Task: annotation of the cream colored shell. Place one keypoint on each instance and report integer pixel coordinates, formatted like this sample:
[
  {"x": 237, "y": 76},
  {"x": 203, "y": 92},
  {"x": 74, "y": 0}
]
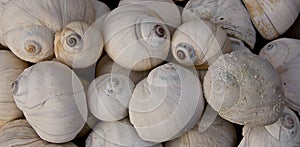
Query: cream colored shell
[
  {"x": 52, "y": 99},
  {"x": 20, "y": 133},
  {"x": 284, "y": 54},
  {"x": 136, "y": 37},
  {"x": 10, "y": 68},
  {"x": 167, "y": 103},
  {"x": 28, "y": 27},
  {"x": 78, "y": 45},
  {"x": 283, "y": 133},
  {"x": 199, "y": 43},
  {"x": 231, "y": 15},
  {"x": 108, "y": 96},
  {"x": 244, "y": 89},
  {"x": 272, "y": 17},
  {"x": 116, "y": 134}
]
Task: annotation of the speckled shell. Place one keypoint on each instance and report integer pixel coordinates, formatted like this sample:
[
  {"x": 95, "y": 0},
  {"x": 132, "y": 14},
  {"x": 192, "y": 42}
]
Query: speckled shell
[
  {"x": 198, "y": 43},
  {"x": 283, "y": 133},
  {"x": 105, "y": 65},
  {"x": 244, "y": 89},
  {"x": 220, "y": 134},
  {"x": 10, "y": 68},
  {"x": 78, "y": 45},
  {"x": 108, "y": 96},
  {"x": 116, "y": 134},
  {"x": 167, "y": 103},
  {"x": 28, "y": 27},
  {"x": 231, "y": 15},
  {"x": 52, "y": 99},
  {"x": 284, "y": 54},
  {"x": 136, "y": 37},
  {"x": 272, "y": 17},
  {"x": 20, "y": 133}
]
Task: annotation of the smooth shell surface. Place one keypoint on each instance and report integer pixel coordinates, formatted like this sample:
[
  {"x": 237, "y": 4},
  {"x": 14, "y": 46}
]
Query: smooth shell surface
[
  {"x": 283, "y": 133},
  {"x": 231, "y": 15},
  {"x": 20, "y": 133},
  {"x": 136, "y": 37},
  {"x": 116, "y": 134},
  {"x": 108, "y": 97},
  {"x": 167, "y": 103},
  {"x": 78, "y": 45},
  {"x": 272, "y": 17},
  {"x": 284, "y": 54},
  {"x": 10, "y": 68},
  {"x": 198, "y": 43},
  {"x": 244, "y": 89},
  {"x": 52, "y": 99}
]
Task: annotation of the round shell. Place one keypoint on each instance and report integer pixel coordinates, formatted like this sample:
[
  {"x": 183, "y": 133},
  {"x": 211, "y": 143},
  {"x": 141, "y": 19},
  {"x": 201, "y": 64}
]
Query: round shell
[
  {"x": 136, "y": 37},
  {"x": 108, "y": 96},
  {"x": 100, "y": 8},
  {"x": 284, "y": 54},
  {"x": 231, "y": 15},
  {"x": 244, "y": 89},
  {"x": 272, "y": 17},
  {"x": 105, "y": 65},
  {"x": 283, "y": 133},
  {"x": 220, "y": 133},
  {"x": 20, "y": 133},
  {"x": 52, "y": 99},
  {"x": 167, "y": 103},
  {"x": 28, "y": 27},
  {"x": 199, "y": 43},
  {"x": 10, "y": 68}
]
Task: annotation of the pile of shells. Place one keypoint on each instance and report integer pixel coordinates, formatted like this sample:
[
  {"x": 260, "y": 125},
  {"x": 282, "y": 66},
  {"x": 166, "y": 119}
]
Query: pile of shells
[{"x": 141, "y": 73}]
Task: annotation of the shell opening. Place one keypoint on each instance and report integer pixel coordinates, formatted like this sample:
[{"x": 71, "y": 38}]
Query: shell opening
[
  {"x": 180, "y": 54},
  {"x": 110, "y": 85},
  {"x": 184, "y": 50},
  {"x": 73, "y": 40},
  {"x": 32, "y": 47},
  {"x": 14, "y": 87},
  {"x": 288, "y": 121},
  {"x": 159, "y": 30},
  {"x": 270, "y": 46}
]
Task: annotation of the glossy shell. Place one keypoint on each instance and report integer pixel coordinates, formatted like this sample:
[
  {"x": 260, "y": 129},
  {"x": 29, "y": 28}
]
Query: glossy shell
[
  {"x": 231, "y": 15},
  {"x": 164, "y": 106},
  {"x": 52, "y": 99},
  {"x": 136, "y": 37},
  {"x": 199, "y": 43},
  {"x": 244, "y": 89}
]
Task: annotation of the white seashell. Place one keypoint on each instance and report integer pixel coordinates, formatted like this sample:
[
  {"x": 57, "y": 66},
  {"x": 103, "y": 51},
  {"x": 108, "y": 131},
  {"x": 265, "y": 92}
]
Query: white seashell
[
  {"x": 100, "y": 8},
  {"x": 244, "y": 89},
  {"x": 78, "y": 45},
  {"x": 105, "y": 65},
  {"x": 116, "y": 134},
  {"x": 20, "y": 133},
  {"x": 10, "y": 68},
  {"x": 284, "y": 54},
  {"x": 285, "y": 132},
  {"x": 167, "y": 103},
  {"x": 231, "y": 15},
  {"x": 199, "y": 43},
  {"x": 108, "y": 96},
  {"x": 52, "y": 99},
  {"x": 272, "y": 17},
  {"x": 136, "y": 37}
]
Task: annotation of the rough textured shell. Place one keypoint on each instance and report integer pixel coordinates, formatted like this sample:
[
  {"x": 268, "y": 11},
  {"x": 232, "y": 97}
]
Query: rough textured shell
[
  {"x": 52, "y": 99},
  {"x": 105, "y": 65},
  {"x": 199, "y": 43},
  {"x": 272, "y": 17},
  {"x": 283, "y": 133},
  {"x": 108, "y": 97},
  {"x": 116, "y": 134},
  {"x": 244, "y": 88},
  {"x": 284, "y": 54},
  {"x": 231, "y": 15},
  {"x": 20, "y": 133},
  {"x": 28, "y": 26},
  {"x": 220, "y": 133},
  {"x": 167, "y": 103},
  {"x": 10, "y": 68},
  {"x": 136, "y": 37},
  {"x": 78, "y": 45}
]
